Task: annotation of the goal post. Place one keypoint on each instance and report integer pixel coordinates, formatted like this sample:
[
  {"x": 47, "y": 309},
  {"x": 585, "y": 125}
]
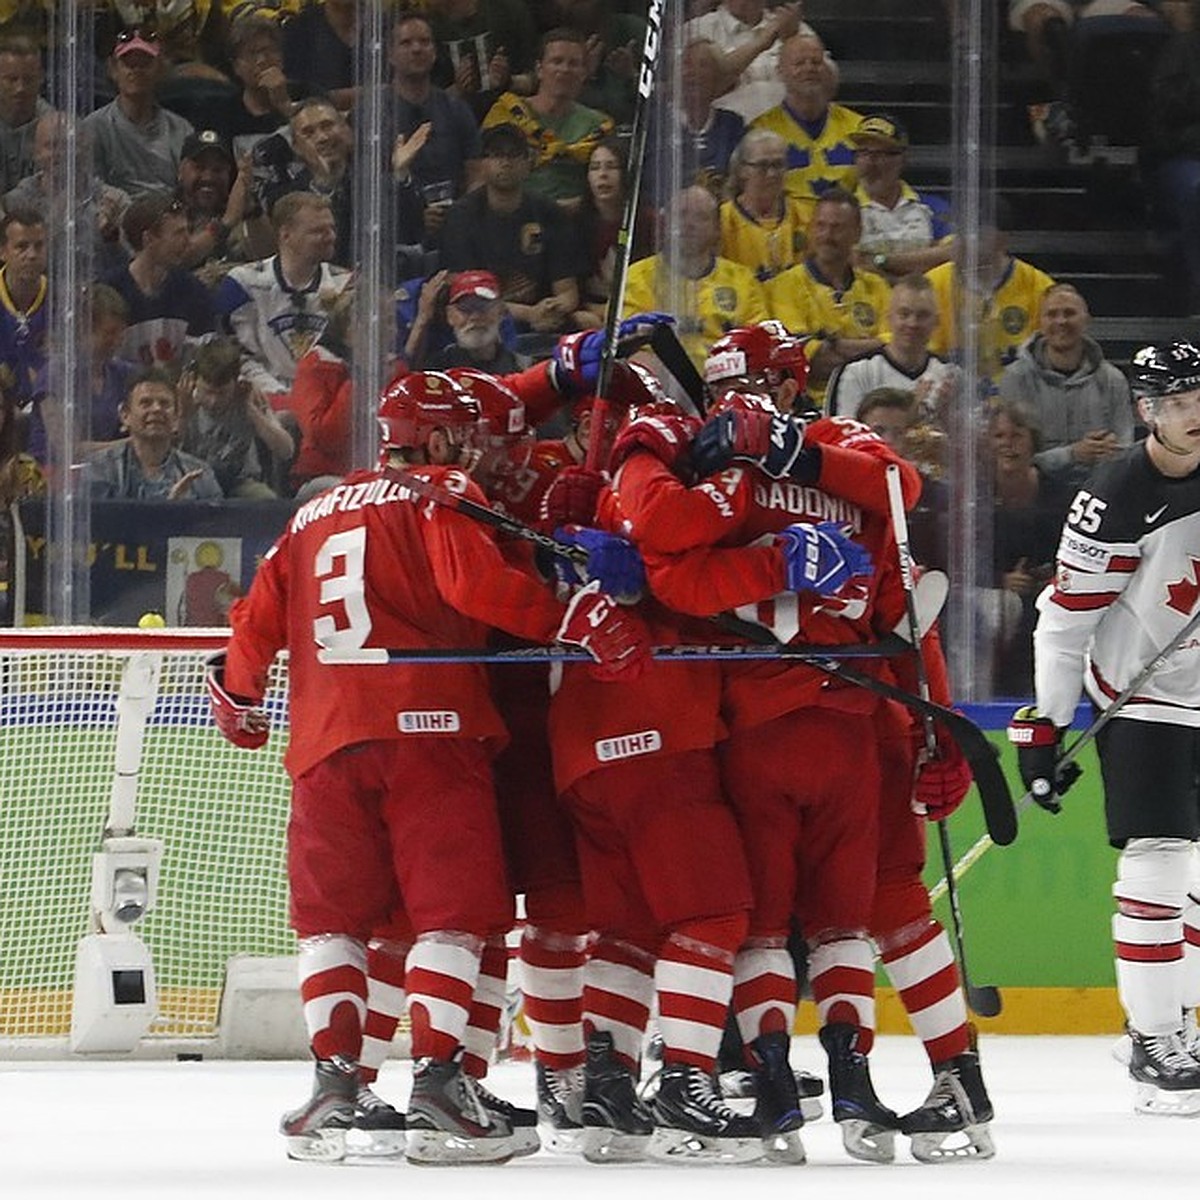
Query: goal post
[{"x": 67, "y": 772}]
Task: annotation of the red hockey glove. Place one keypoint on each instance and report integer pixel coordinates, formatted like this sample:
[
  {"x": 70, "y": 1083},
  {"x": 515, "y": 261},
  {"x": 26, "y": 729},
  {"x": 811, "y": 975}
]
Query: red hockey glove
[
  {"x": 942, "y": 782},
  {"x": 1039, "y": 745},
  {"x": 571, "y": 498},
  {"x": 615, "y": 637},
  {"x": 240, "y": 721},
  {"x": 668, "y": 438}
]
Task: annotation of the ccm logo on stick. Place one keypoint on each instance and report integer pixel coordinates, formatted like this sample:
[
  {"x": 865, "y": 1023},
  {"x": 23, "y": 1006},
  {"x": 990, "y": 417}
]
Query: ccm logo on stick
[
  {"x": 428, "y": 722},
  {"x": 629, "y": 745}
]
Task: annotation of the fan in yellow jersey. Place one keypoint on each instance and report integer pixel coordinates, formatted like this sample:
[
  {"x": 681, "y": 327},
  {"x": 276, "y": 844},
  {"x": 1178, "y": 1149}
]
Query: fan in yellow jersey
[
  {"x": 841, "y": 308},
  {"x": 817, "y": 132},
  {"x": 709, "y": 295},
  {"x": 762, "y": 227},
  {"x": 1008, "y": 309}
]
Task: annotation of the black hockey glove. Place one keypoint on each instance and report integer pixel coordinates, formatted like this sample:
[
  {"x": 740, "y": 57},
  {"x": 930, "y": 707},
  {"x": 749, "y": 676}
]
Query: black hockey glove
[{"x": 1039, "y": 747}]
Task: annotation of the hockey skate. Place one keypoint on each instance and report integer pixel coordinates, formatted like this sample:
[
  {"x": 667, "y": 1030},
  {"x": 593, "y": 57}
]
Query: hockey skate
[
  {"x": 616, "y": 1124},
  {"x": 952, "y": 1123},
  {"x": 739, "y": 1084},
  {"x": 448, "y": 1122},
  {"x": 778, "y": 1109},
  {"x": 316, "y": 1131},
  {"x": 868, "y": 1126},
  {"x": 1167, "y": 1076},
  {"x": 693, "y": 1123},
  {"x": 378, "y": 1129},
  {"x": 522, "y": 1121},
  {"x": 560, "y": 1108}
]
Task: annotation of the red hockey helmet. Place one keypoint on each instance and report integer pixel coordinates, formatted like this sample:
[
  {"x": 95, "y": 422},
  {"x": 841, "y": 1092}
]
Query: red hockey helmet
[
  {"x": 413, "y": 406},
  {"x": 764, "y": 354},
  {"x": 502, "y": 442}
]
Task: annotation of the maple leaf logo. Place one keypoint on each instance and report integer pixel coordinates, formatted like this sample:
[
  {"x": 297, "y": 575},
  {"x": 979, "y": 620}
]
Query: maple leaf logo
[{"x": 1182, "y": 595}]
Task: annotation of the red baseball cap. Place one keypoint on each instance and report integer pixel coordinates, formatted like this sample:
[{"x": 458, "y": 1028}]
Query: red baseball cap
[{"x": 483, "y": 284}]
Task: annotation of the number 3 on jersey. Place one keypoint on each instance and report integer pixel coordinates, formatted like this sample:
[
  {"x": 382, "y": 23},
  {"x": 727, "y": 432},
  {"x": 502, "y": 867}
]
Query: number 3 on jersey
[
  {"x": 1086, "y": 512},
  {"x": 339, "y": 570}
]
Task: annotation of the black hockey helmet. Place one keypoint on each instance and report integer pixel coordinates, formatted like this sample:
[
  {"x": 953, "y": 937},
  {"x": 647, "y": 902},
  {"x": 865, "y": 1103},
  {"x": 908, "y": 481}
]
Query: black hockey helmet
[{"x": 1165, "y": 370}]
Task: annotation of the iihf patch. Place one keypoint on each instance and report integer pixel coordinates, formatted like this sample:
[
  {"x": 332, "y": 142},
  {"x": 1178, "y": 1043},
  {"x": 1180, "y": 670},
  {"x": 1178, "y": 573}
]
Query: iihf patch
[
  {"x": 1063, "y": 580},
  {"x": 429, "y": 721},
  {"x": 628, "y": 745}
]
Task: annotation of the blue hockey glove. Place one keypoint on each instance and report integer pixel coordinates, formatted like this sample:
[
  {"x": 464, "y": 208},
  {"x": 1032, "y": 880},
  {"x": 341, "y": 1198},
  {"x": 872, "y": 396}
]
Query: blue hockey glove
[
  {"x": 774, "y": 443},
  {"x": 641, "y": 326},
  {"x": 575, "y": 362},
  {"x": 1039, "y": 746},
  {"x": 821, "y": 558},
  {"x": 612, "y": 560}
]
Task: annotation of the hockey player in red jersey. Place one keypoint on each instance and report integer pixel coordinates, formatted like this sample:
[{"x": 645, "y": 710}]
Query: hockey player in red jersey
[
  {"x": 1126, "y": 587},
  {"x": 809, "y": 826},
  {"x": 392, "y": 800}
]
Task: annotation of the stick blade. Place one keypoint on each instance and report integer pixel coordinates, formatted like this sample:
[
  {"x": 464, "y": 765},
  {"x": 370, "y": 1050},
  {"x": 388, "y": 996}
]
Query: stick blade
[
  {"x": 999, "y": 811},
  {"x": 985, "y": 1001}
]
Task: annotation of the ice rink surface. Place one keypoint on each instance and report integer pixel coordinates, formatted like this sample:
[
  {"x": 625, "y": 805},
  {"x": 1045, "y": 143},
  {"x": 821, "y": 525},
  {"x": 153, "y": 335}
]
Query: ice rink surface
[{"x": 1064, "y": 1127}]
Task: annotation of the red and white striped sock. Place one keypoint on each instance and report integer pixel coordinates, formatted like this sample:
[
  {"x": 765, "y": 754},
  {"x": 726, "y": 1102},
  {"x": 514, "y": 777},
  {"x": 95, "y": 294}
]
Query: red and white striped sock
[
  {"x": 333, "y": 990},
  {"x": 618, "y": 989},
  {"x": 920, "y": 963},
  {"x": 842, "y": 977},
  {"x": 693, "y": 980},
  {"x": 487, "y": 1007},
  {"x": 551, "y": 972},
  {"x": 385, "y": 1003},
  {"x": 442, "y": 969},
  {"x": 764, "y": 987}
]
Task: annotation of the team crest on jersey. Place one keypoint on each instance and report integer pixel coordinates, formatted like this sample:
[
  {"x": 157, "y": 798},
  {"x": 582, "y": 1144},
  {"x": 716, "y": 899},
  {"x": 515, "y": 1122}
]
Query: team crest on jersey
[
  {"x": 864, "y": 314},
  {"x": 725, "y": 298},
  {"x": 429, "y": 721},
  {"x": 628, "y": 745},
  {"x": 531, "y": 238},
  {"x": 1183, "y": 593},
  {"x": 1013, "y": 319}
]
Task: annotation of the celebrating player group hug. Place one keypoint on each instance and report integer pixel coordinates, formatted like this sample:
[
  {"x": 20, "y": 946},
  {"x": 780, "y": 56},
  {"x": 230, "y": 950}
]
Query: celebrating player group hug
[{"x": 684, "y": 827}]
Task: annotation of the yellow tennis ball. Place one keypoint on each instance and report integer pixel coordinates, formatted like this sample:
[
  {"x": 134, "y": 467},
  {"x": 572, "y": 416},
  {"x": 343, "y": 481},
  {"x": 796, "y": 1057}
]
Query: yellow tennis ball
[{"x": 151, "y": 620}]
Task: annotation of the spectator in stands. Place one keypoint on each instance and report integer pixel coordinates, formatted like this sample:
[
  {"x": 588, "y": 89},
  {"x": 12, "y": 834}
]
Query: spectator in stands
[
  {"x": 24, "y": 317},
  {"x": 903, "y": 230},
  {"x": 313, "y": 156},
  {"x": 522, "y": 238},
  {"x": 1080, "y": 403},
  {"x": 762, "y": 227},
  {"x": 20, "y": 478},
  {"x": 136, "y": 142},
  {"x": 817, "y": 131},
  {"x": 110, "y": 372},
  {"x": 448, "y": 162},
  {"x": 749, "y": 39},
  {"x": 263, "y": 104},
  {"x": 484, "y": 47},
  {"x": 559, "y": 130},
  {"x": 215, "y": 195},
  {"x": 614, "y": 41},
  {"x": 318, "y": 47},
  {"x": 168, "y": 305},
  {"x": 42, "y": 191},
  {"x": 599, "y": 221},
  {"x": 227, "y": 423},
  {"x": 21, "y": 103},
  {"x": 475, "y": 314},
  {"x": 825, "y": 297},
  {"x": 1029, "y": 511},
  {"x": 903, "y": 361},
  {"x": 1008, "y": 298},
  {"x": 146, "y": 465},
  {"x": 709, "y": 295},
  {"x": 277, "y": 307},
  {"x": 704, "y": 137}
]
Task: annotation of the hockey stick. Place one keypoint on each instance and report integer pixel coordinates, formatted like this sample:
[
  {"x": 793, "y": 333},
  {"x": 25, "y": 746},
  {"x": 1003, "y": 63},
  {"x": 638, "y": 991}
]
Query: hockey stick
[
  {"x": 664, "y": 341},
  {"x": 717, "y": 652},
  {"x": 597, "y": 451},
  {"x": 1073, "y": 751},
  {"x": 984, "y": 1000}
]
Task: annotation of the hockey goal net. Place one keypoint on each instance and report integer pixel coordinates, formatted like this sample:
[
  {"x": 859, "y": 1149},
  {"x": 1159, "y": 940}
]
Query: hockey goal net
[{"x": 220, "y": 812}]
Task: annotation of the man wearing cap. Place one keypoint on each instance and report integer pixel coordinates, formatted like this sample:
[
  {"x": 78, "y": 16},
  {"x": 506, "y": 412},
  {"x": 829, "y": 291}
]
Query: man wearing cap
[
  {"x": 214, "y": 195},
  {"x": 522, "y": 238},
  {"x": 904, "y": 231},
  {"x": 475, "y": 313},
  {"x": 137, "y": 144}
]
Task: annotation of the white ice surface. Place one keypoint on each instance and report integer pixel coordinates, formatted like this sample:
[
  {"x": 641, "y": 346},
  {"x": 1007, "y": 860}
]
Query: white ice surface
[{"x": 1064, "y": 1127}]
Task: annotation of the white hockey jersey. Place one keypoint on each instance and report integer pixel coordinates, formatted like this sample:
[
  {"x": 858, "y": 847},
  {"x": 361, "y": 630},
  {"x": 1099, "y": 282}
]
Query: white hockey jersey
[{"x": 1126, "y": 581}]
